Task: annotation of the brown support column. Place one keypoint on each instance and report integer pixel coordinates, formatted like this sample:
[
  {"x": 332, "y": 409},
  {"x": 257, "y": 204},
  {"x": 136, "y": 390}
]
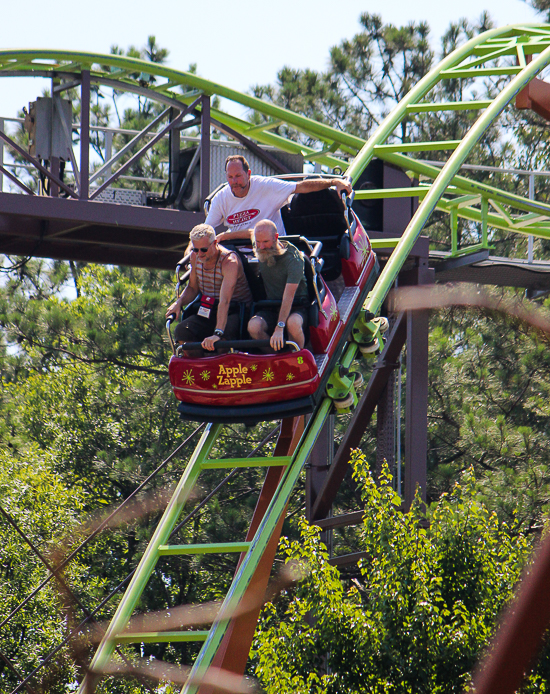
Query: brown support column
[
  {"x": 416, "y": 418},
  {"x": 85, "y": 135},
  {"x": 205, "y": 147},
  {"x": 361, "y": 418},
  {"x": 385, "y": 423},
  {"x": 416, "y": 399},
  {"x": 317, "y": 467}
]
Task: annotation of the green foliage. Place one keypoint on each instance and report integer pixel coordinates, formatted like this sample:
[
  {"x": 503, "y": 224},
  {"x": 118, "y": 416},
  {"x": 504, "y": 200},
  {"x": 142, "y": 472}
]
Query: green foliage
[
  {"x": 488, "y": 409},
  {"x": 542, "y": 6},
  {"x": 46, "y": 510},
  {"x": 421, "y": 613},
  {"x": 84, "y": 386}
]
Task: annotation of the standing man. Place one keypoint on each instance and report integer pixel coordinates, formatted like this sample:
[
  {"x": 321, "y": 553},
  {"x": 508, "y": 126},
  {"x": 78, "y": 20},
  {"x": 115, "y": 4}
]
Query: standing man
[
  {"x": 218, "y": 274},
  {"x": 247, "y": 199},
  {"x": 282, "y": 270}
]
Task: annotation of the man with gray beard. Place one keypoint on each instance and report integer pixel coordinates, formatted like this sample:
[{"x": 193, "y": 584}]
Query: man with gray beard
[{"x": 282, "y": 270}]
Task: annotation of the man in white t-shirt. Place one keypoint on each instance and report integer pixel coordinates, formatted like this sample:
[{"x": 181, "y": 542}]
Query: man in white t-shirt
[{"x": 247, "y": 199}]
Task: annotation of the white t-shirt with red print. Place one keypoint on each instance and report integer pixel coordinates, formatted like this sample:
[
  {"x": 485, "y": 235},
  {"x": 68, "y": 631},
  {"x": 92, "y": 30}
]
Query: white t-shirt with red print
[{"x": 264, "y": 200}]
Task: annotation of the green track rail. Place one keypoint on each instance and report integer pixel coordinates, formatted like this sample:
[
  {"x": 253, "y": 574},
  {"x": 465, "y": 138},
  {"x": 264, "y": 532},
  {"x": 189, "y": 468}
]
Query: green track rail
[{"x": 502, "y": 53}]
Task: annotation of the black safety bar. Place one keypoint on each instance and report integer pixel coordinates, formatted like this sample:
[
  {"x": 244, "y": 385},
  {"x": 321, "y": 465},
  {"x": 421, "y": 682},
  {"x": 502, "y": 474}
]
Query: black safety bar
[{"x": 235, "y": 345}]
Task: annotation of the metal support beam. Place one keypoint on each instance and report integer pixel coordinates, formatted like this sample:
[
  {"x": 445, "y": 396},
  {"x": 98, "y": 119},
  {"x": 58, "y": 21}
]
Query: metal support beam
[
  {"x": 361, "y": 418},
  {"x": 416, "y": 417},
  {"x": 347, "y": 559},
  {"x": 174, "y": 145},
  {"x": 109, "y": 161},
  {"x": 108, "y": 153},
  {"x": 36, "y": 164},
  {"x": 205, "y": 148},
  {"x": 85, "y": 135},
  {"x": 462, "y": 261},
  {"x": 341, "y": 521},
  {"x": 64, "y": 86},
  {"x": 1, "y": 157},
  {"x": 141, "y": 152},
  {"x": 416, "y": 398},
  {"x": 385, "y": 427},
  {"x": 191, "y": 123},
  {"x": 317, "y": 467},
  {"x": 318, "y": 464}
]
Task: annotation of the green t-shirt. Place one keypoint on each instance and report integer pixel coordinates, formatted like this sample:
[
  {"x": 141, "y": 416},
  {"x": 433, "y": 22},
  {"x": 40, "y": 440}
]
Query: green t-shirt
[{"x": 288, "y": 269}]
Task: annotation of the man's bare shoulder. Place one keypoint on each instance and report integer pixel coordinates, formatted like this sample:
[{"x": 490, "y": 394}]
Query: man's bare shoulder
[{"x": 231, "y": 260}]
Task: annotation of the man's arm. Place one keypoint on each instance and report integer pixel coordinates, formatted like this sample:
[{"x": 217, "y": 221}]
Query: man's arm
[
  {"x": 315, "y": 184},
  {"x": 277, "y": 339},
  {"x": 239, "y": 234},
  {"x": 215, "y": 215},
  {"x": 230, "y": 270},
  {"x": 188, "y": 294}
]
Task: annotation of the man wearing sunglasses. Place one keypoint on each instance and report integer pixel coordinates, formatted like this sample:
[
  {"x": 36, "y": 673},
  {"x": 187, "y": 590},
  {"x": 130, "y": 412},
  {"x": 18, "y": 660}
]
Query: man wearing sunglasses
[
  {"x": 217, "y": 274},
  {"x": 247, "y": 199}
]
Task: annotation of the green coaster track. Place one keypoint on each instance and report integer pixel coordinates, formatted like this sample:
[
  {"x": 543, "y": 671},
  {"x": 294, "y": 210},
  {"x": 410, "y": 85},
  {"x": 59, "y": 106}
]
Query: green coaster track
[{"x": 513, "y": 55}]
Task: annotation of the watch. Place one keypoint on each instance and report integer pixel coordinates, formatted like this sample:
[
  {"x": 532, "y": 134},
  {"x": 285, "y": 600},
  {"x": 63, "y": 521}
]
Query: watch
[
  {"x": 218, "y": 332},
  {"x": 281, "y": 324}
]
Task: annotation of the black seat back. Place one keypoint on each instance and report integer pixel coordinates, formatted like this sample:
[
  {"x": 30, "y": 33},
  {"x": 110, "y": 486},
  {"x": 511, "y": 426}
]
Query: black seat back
[
  {"x": 251, "y": 272},
  {"x": 319, "y": 216}
]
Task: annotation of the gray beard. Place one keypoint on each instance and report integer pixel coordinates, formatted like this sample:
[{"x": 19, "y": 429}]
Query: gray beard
[{"x": 268, "y": 255}]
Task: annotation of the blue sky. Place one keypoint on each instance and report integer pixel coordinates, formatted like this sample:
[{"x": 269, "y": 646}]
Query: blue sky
[{"x": 237, "y": 44}]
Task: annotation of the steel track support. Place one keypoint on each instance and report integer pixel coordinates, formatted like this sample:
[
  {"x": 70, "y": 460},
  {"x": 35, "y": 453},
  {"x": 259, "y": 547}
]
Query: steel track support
[
  {"x": 85, "y": 136},
  {"x": 361, "y": 418},
  {"x": 385, "y": 427},
  {"x": 205, "y": 148},
  {"x": 416, "y": 416},
  {"x": 234, "y": 649},
  {"x": 317, "y": 467},
  {"x": 416, "y": 394},
  {"x": 320, "y": 460}
]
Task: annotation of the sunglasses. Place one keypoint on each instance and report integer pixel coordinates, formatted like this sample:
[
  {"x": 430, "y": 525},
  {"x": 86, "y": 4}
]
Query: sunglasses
[{"x": 200, "y": 250}]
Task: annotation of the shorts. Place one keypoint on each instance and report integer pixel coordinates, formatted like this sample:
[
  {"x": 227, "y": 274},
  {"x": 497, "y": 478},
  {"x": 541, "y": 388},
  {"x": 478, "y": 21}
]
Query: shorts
[
  {"x": 196, "y": 328},
  {"x": 271, "y": 317}
]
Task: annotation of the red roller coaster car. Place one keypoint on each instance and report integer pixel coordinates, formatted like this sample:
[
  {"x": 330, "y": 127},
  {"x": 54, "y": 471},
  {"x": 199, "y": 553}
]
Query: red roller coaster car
[{"x": 246, "y": 385}]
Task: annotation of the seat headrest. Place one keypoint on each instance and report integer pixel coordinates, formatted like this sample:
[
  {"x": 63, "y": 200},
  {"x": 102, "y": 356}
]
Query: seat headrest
[{"x": 326, "y": 201}]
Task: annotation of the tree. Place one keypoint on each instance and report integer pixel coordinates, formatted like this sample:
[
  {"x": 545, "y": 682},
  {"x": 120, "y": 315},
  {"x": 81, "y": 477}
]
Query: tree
[
  {"x": 84, "y": 388},
  {"x": 45, "y": 509},
  {"x": 427, "y": 600}
]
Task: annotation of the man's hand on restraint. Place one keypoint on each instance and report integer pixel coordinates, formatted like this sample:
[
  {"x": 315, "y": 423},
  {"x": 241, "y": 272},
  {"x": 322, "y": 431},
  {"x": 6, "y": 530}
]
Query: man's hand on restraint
[
  {"x": 208, "y": 342},
  {"x": 278, "y": 339},
  {"x": 343, "y": 185},
  {"x": 174, "y": 308}
]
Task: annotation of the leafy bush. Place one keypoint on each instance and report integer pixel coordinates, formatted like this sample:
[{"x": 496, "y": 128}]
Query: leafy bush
[{"x": 430, "y": 591}]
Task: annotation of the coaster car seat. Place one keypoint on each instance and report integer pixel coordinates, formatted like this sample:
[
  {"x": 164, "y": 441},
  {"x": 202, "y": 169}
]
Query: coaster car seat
[{"x": 320, "y": 216}]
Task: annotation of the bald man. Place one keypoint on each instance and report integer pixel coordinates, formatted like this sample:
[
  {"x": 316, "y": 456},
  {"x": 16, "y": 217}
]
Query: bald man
[{"x": 282, "y": 270}]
